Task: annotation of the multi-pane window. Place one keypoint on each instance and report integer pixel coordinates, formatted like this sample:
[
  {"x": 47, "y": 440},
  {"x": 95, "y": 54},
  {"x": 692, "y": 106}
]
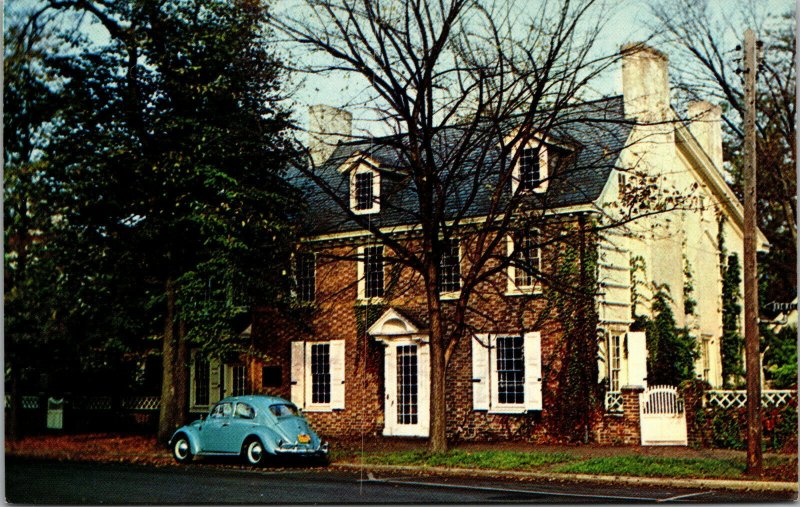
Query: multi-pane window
[
  {"x": 306, "y": 276},
  {"x": 238, "y": 379},
  {"x": 364, "y": 198},
  {"x": 373, "y": 272},
  {"x": 706, "y": 360},
  {"x": 321, "y": 373},
  {"x": 510, "y": 370},
  {"x": 201, "y": 380},
  {"x": 529, "y": 171},
  {"x": 450, "y": 267},
  {"x": 614, "y": 361},
  {"x": 528, "y": 259},
  {"x": 407, "y": 388}
]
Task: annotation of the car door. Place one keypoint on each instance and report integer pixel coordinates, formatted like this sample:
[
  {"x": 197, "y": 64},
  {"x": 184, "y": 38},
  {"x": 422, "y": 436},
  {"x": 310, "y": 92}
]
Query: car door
[
  {"x": 241, "y": 426},
  {"x": 216, "y": 430}
]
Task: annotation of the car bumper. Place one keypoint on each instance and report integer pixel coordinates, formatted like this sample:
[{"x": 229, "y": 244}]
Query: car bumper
[{"x": 302, "y": 451}]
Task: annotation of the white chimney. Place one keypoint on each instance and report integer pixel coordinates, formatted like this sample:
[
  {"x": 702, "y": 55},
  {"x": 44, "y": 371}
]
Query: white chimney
[
  {"x": 645, "y": 83},
  {"x": 705, "y": 124},
  {"x": 327, "y": 126}
]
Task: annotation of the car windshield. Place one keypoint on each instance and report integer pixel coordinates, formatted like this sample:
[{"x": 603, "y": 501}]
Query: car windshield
[{"x": 283, "y": 409}]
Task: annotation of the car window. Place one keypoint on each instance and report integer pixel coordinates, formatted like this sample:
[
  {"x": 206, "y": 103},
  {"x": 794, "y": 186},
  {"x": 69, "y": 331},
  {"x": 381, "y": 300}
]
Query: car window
[
  {"x": 282, "y": 409},
  {"x": 222, "y": 410},
  {"x": 244, "y": 411}
]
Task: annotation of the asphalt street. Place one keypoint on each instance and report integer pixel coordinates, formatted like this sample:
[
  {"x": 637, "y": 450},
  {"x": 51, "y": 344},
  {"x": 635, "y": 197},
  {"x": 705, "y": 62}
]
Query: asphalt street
[{"x": 38, "y": 482}]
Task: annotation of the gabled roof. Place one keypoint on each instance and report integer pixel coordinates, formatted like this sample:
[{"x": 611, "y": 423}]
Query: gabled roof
[{"x": 596, "y": 131}]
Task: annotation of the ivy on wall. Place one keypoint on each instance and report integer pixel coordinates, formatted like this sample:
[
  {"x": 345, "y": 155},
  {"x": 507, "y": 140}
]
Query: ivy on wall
[
  {"x": 689, "y": 302},
  {"x": 732, "y": 342},
  {"x": 577, "y": 391}
]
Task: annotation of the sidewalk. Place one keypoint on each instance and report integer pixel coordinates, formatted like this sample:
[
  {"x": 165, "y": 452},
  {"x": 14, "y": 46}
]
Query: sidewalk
[{"x": 141, "y": 449}]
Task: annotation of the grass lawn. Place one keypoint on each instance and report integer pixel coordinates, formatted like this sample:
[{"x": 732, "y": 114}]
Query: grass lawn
[
  {"x": 652, "y": 466},
  {"x": 564, "y": 462},
  {"x": 503, "y": 460}
]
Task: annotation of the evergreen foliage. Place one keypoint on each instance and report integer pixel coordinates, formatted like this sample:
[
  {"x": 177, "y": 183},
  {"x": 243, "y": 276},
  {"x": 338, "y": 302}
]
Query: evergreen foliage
[
  {"x": 780, "y": 356},
  {"x": 732, "y": 341},
  {"x": 166, "y": 164},
  {"x": 671, "y": 350}
]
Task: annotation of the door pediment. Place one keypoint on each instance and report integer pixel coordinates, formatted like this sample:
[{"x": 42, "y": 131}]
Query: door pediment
[{"x": 393, "y": 323}]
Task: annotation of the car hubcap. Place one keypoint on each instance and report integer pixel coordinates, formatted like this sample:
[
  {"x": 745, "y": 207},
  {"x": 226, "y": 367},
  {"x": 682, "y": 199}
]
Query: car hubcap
[
  {"x": 255, "y": 452},
  {"x": 181, "y": 448}
]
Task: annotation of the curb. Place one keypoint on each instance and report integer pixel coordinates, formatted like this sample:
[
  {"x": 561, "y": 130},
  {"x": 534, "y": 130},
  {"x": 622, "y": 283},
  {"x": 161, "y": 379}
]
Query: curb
[{"x": 729, "y": 484}]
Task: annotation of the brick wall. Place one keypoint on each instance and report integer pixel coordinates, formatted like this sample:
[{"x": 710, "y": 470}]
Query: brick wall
[
  {"x": 336, "y": 318},
  {"x": 624, "y": 428}
]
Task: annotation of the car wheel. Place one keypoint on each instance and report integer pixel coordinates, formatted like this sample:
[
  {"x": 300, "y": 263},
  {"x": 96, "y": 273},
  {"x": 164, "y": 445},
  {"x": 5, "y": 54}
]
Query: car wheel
[
  {"x": 253, "y": 452},
  {"x": 182, "y": 449}
]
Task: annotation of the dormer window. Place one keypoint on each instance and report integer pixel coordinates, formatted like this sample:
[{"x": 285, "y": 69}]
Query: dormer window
[
  {"x": 365, "y": 187},
  {"x": 530, "y": 174},
  {"x": 363, "y": 191},
  {"x": 533, "y": 168}
]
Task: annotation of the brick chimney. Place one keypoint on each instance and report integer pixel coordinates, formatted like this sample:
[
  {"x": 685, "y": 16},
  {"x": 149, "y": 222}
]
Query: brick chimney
[
  {"x": 327, "y": 126},
  {"x": 645, "y": 83},
  {"x": 705, "y": 124}
]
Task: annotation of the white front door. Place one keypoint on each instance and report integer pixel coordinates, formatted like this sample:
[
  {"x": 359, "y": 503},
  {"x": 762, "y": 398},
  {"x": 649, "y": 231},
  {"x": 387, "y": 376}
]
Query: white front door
[{"x": 407, "y": 388}]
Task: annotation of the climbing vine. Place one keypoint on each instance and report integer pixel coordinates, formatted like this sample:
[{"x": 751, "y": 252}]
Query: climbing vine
[
  {"x": 577, "y": 393},
  {"x": 689, "y": 303},
  {"x": 638, "y": 270},
  {"x": 732, "y": 342}
]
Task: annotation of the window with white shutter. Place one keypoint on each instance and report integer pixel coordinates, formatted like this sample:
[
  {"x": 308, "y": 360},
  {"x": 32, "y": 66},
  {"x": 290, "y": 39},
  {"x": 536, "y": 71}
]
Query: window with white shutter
[
  {"x": 507, "y": 373},
  {"x": 318, "y": 381},
  {"x": 204, "y": 382}
]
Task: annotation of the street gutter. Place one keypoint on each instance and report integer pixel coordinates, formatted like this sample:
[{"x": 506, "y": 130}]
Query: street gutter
[{"x": 728, "y": 484}]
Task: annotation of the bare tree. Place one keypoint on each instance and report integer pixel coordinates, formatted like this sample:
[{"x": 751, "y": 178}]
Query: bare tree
[{"x": 460, "y": 85}]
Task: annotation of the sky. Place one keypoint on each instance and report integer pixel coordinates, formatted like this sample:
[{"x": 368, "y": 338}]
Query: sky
[{"x": 628, "y": 23}]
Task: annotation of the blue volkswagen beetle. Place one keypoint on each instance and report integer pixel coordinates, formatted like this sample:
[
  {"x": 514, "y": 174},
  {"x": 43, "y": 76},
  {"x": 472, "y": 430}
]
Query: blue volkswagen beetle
[{"x": 249, "y": 426}]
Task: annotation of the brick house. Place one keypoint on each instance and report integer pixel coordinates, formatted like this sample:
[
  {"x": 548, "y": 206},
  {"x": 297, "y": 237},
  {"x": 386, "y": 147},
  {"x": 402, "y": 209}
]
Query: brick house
[{"x": 358, "y": 364}]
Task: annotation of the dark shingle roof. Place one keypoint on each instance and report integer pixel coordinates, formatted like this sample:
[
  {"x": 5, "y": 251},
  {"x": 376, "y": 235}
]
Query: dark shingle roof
[{"x": 594, "y": 134}]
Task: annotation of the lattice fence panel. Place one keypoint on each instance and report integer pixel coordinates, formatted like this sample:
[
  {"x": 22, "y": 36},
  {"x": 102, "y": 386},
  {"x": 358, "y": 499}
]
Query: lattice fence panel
[
  {"x": 141, "y": 403},
  {"x": 738, "y": 398},
  {"x": 614, "y": 401},
  {"x": 93, "y": 403},
  {"x": 30, "y": 402}
]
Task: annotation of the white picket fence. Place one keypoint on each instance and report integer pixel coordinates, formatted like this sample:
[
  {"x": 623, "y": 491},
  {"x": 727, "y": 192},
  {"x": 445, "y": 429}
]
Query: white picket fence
[
  {"x": 738, "y": 398},
  {"x": 662, "y": 418}
]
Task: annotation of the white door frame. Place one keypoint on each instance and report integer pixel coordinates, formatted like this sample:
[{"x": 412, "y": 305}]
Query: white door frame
[{"x": 391, "y": 425}]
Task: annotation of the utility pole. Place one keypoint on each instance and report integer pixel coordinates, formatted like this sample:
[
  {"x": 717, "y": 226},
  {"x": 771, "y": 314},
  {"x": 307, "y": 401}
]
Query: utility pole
[{"x": 752, "y": 359}]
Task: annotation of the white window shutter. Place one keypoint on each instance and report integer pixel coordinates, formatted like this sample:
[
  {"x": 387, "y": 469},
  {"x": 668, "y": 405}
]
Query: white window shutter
[
  {"x": 214, "y": 381},
  {"x": 602, "y": 359},
  {"x": 637, "y": 358},
  {"x": 298, "y": 373},
  {"x": 533, "y": 370},
  {"x": 424, "y": 364},
  {"x": 480, "y": 372},
  {"x": 337, "y": 373}
]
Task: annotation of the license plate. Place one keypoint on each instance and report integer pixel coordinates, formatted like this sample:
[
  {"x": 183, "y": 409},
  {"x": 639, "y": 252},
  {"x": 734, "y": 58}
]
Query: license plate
[{"x": 303, "y": 439}]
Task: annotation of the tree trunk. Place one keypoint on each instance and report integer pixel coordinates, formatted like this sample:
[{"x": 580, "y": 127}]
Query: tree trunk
[
  {"x": 438, "y": 432},
  {"x": 173, "y": 387}
]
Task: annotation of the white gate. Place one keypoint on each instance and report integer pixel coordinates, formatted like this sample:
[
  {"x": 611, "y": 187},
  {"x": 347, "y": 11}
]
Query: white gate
[{"x": 662, "y": 419}]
